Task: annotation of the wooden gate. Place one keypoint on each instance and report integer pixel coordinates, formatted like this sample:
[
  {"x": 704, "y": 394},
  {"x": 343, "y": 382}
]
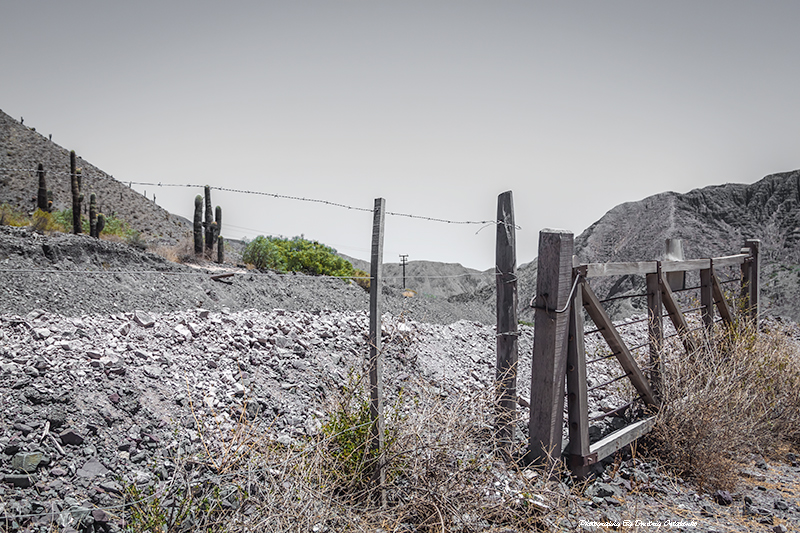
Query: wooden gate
[{"x": 562, "y": 295}]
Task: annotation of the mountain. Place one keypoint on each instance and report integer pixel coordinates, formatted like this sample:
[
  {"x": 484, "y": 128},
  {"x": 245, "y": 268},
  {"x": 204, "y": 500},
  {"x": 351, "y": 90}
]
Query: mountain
[
  {"x": 712, "y": 221},
  {"x": 23, "y": 148}
]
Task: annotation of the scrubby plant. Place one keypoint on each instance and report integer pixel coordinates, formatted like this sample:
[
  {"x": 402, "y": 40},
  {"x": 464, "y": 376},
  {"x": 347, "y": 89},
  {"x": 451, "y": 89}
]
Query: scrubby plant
[
  {"x": 262, "y": 252},
  {"x": 11, "y": 216},
  {"x": 739, "y": 394},
  {"x": 110, "y": 225},
  {"x": 361, "y": 278},
  {"x": 43, "y": 221},
  {"x": 296, "y": 255}
]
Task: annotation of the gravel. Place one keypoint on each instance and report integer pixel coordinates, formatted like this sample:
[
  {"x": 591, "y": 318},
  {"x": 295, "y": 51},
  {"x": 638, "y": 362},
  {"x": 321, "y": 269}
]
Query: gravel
[{"x": 111, "y": 376}]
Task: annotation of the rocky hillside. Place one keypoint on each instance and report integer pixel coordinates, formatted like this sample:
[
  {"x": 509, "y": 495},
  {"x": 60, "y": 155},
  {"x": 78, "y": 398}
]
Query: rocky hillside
[
  {"x": 712, "y": 221},
  {"x": 23, "y": 148}
]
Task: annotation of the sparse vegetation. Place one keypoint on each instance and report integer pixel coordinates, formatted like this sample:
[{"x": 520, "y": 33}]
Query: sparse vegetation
[
  {"x": 61, "y": 221},
  {"x": 300, "y": 255},
  {"x": 739, "y": 395},
  {"x": 440, "y": 462}
]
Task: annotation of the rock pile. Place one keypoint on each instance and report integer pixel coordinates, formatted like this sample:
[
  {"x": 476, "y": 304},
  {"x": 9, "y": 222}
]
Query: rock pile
[{"x": 96, "y": 403}]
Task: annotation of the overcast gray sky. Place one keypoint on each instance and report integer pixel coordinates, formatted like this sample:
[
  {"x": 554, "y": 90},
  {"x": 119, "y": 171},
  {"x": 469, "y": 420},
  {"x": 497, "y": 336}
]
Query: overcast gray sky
[{"x": 436, "y": 106}]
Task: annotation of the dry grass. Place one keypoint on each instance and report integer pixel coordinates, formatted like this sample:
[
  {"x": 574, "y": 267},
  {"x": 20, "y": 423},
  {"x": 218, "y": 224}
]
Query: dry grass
[
  {"x": 183, "y": 252},
  {"x": 738, "y": 395},
  {"x": 442, "y": 475}
]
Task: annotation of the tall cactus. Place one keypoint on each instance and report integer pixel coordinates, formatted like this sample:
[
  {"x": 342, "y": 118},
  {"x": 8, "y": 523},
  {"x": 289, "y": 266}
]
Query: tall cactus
[
  {"x": 41, "y": 197},
  {"x": 209, "y": 221},
  {"x": 93, "y": 216},
  {"x": 101, "y": 223},
  {"x": 198, "y": 225},
  {"x": 76, "y": 195},
  {"x": 220, "y": 250}
]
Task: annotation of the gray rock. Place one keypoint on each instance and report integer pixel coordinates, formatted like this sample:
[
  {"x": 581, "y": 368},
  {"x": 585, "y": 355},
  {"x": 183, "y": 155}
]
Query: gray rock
[
  {"x": 92, "y": 468},
  {"x": 599, "y": 489},
  {"x": 26, "y": 461},
  {"x": 70, "y": 436},
  {"x": 143, "y": 319},
  {"x": 21, "y": 481}
]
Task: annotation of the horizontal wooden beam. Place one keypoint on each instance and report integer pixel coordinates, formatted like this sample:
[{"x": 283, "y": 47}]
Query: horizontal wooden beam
[
  {"x": 685, "y": 266},
  {"x": 621, "y": 438},
  {"x": 597, "y": 270},
  {"x": 730, "y": 260}
]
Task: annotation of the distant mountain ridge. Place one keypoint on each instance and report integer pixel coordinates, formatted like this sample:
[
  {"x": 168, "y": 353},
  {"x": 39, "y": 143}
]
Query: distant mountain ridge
[{"x": 712, "y": 221}]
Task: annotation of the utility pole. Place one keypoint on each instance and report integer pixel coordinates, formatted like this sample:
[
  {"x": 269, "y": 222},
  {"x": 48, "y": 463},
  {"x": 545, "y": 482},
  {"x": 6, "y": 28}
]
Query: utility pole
[{"x": 404, "y": 262}]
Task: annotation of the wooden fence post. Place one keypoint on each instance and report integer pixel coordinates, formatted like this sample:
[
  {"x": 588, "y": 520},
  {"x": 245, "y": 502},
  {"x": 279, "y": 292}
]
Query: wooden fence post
[
  {"x": 674, "y": 252},
  {"x": 750, "y": 279},
  {"x": 655, "y": 328},
  {"x": 707, "y": 299},
  {"x": 507, "y": 328},
  {"x": 553, "y": 283},
  {"x": 375, "y": 356},
  {"x": 580, "y": 458}
]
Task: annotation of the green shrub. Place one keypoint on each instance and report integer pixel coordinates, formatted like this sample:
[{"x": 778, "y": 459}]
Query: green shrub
[{"x": 296, "y": 255}]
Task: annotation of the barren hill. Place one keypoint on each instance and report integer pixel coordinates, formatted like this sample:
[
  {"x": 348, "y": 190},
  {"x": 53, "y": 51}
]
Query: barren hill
[{"x": 23, "y": 148}]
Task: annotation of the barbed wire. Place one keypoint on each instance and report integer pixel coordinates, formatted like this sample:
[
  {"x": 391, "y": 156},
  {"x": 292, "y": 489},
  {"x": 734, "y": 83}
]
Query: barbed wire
[{"x": 284, "y": 197}]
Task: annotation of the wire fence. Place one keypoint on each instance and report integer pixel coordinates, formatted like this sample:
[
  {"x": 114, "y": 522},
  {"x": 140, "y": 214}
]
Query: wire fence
[{"x": 273, "y": 195}]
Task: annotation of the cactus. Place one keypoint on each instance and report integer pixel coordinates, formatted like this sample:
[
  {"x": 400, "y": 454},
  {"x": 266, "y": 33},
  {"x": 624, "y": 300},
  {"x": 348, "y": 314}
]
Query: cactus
[
  {"x": 76, "y": 195},
  {"x": 50, "y": 201},
  {"x": 198, "y": 225},
  {"x": 93, "y": 216},
  {"x": 101, "y": 223},
  {"x": 209, "y": 221},
  {"x": 220, "y": 249},
  {"x": 41, "y": 197}
]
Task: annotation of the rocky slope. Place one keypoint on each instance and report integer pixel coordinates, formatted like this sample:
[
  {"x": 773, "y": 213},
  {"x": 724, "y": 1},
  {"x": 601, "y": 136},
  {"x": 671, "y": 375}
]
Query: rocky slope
[
  {"x": 713, "y": 221},
  {"x": 23, "y": 148}
]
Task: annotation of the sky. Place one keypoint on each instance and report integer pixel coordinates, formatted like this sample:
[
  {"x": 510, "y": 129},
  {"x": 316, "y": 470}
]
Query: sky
[{"x": 436, "y": 106}]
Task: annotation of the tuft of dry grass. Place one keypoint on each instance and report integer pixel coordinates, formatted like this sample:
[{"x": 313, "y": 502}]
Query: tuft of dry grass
[
  {"x": 735, "y": 396},
  {"x": 442, "y": 475},
  {"x": 183, "y": 252}
]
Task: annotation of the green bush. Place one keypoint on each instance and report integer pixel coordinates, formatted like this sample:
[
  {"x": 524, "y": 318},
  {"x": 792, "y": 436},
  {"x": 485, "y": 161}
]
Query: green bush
[{"x": 296, "y": 255}]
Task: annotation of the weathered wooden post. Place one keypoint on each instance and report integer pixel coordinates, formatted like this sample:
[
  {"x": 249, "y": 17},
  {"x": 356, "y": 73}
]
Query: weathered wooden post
[
  {"x": 375, "y": 356},
  {"x": 655, "y": 327},
  {"x": 553, "y": 283},
  {"x": 750, "y": 279},
  {"x": 580, "y": 457},
  {"x": 507, "y": 327},
  {"x": 674, "y": 252},
  {"x": 707, "y": 299}
]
